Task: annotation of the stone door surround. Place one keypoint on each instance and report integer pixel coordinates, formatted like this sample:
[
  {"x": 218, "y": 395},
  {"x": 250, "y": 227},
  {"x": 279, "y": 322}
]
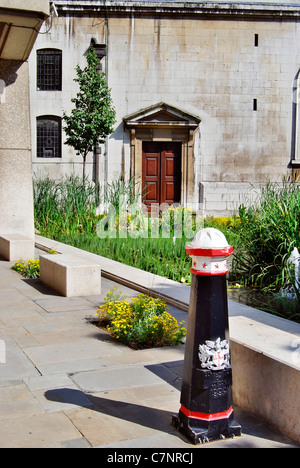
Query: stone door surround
[{"x": 163, "y": 122}]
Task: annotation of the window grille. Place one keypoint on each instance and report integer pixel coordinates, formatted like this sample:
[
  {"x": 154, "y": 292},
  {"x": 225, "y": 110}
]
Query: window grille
[
  {"x": 49, "y": 70},
  {"x": 49, "y": 137}
]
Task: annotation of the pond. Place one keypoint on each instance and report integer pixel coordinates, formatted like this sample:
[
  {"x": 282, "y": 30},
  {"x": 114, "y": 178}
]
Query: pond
[{"x": 273, "y": 303}]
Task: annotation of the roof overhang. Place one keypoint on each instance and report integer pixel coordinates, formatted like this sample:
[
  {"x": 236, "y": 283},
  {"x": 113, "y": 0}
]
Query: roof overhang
[
  {"x": 161, "y": 115},
  {"x": 281, "y": 10},
  {"x": 19, "y": 27}
]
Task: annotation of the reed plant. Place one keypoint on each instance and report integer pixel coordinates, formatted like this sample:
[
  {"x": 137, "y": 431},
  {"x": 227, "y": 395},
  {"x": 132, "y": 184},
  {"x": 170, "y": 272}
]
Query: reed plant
[
  {"x": 71, "y": 205},
  {"x": 163, "y": 257},
  {"x": 67, "y": 206},
  {"x": 120, "y": 191},
  {"x": 269, "y": 231}
]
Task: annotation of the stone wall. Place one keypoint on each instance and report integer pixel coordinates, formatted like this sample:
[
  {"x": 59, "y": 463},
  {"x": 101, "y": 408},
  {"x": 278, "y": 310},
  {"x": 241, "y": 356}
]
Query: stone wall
[{"x": 235, "y": 74}]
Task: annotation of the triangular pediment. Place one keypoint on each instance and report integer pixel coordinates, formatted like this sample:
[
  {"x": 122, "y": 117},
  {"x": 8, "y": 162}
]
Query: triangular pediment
[{"x": 162, "y": 114}]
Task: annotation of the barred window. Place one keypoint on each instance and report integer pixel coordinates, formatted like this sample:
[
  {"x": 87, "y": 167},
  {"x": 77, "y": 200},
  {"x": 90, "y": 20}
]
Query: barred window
[
  {"x": 49, "y": 70},
  {"x": 49, "y": 137}
]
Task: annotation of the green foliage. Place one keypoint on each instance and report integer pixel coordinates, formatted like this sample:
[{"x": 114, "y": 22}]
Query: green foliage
[
  {"x": 120, "y": 190},
  {"x": 229, "y": 225},
  {"x": 30, "y": 269},
  {"x": 158, "y": 256},
  {"x": 70, "y": 206},
  {"x": 269, "y": 230},
  {"x": 67, "y": 211},
  {"x": 93, "y": 116},
  {"x": 142, "y": 323},
  {"x": 65, "y": 207}
]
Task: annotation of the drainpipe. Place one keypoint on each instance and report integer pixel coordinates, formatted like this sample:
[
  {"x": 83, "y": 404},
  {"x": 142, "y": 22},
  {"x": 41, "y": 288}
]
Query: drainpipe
[{"x": 106, "y": 74}]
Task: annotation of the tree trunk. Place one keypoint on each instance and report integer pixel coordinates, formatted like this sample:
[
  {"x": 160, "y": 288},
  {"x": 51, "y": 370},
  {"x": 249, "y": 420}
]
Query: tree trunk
[{"x": 84, "y": 167}]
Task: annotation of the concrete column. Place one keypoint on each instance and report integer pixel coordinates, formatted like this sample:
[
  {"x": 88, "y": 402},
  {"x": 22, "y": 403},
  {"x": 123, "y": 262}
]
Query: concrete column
[{"x": 16, "y": 195}]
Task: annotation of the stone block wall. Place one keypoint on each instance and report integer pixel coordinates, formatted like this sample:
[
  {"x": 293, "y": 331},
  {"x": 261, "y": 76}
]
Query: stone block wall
[{"x": 236, "y": 75}]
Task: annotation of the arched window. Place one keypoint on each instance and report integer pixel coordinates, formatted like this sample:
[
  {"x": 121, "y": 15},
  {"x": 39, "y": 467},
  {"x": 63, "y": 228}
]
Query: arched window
[
  {"x": 49, "y": 136},
  {"x": 49, "y": 70}
]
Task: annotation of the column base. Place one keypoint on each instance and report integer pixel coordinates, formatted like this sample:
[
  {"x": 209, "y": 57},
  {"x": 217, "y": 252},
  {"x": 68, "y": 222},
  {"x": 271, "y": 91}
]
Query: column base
[{"x": 204, "y": 432}]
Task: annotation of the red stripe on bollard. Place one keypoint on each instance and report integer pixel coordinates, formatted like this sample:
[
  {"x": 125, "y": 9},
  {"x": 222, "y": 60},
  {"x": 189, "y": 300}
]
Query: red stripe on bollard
[
  {"x": 207, "y": 273},
  {"x": 206, "y": 416},
  {"x": 198, "y": 252}
]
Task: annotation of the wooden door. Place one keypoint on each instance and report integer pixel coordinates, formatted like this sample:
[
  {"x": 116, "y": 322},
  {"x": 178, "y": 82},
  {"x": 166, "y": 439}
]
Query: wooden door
[{"x": 161, "y": 172}]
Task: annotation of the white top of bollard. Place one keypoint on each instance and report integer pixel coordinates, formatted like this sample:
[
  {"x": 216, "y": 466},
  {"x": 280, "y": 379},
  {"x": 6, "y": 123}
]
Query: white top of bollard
[{"x": 209, "y": 238}]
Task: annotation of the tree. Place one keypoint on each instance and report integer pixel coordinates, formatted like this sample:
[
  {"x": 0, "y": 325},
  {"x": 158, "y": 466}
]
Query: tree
[{"x": 93, "y": 116}]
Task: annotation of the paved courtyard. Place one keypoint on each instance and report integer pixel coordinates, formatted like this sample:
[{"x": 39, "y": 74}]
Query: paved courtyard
[{"x": 67, "y": 384}]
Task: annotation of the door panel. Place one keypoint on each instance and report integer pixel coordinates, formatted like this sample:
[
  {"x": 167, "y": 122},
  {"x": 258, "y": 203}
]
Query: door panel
[
  {"x": 169, "y": 192},
  {"x": 151, "y": 174},
  {"x": 151, "y": 166},
  {"x": 170, "y": 173},
  {"x": 169, "y": 167},
  {"x": 161, "y": 172},
  {"x": 152, "y": 192}
]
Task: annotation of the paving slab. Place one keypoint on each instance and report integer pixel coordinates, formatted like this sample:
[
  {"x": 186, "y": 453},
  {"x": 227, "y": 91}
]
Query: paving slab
[
  {"x": 101, "y": 428},
  {"x": 43, "y": 382},
  {"x": 61, "y": 398},
  {"x": 62, "y": 304},
  {"x": 110, "y": 379},
  {"x": 37, "y": 430},
  {"x": 76, "y": 443},
  {"x": 17, "y": 402},
  {"x": 53, "y": 336},
  {"x": 17, "y": 366},
  {"x": 71, "y": 367},
  {"x": 75, "y": 351}
]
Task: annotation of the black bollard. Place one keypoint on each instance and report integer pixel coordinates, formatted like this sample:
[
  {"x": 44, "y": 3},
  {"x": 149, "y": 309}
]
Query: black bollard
[{"x": 206, "y": 412}]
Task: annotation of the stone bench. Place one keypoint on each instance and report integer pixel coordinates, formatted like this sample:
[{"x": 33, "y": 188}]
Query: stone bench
[
  {"x": 69, "y": 275},
  {"x": 14, "y": 247}
]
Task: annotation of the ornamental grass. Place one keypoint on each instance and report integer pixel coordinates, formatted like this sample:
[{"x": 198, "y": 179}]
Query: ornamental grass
[
  {"x": 269, "y": 231},
  {"x": 140, "y": 323}
]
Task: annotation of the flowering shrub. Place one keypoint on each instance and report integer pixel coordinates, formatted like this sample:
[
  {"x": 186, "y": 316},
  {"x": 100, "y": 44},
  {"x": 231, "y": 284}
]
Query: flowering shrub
[
  {"x": 52, "y": 252},
  {"x": 31, "y": 269},
  {"x": 142, "y": 323},
  {"x": 223, "y": 222}
]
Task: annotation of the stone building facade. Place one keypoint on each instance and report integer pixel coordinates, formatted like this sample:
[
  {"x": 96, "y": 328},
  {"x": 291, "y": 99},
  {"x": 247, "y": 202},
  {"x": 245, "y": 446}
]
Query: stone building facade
[{"x": 205, "y": 94}]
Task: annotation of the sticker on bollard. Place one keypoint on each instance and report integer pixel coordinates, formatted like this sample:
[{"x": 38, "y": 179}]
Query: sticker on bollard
[{"x": 206, "y": 412}]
